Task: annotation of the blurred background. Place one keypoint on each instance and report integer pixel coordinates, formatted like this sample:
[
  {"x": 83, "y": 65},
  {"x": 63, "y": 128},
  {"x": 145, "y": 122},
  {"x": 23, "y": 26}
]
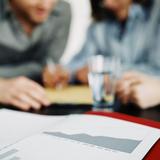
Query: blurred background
[{"x": 81, "y": 18}]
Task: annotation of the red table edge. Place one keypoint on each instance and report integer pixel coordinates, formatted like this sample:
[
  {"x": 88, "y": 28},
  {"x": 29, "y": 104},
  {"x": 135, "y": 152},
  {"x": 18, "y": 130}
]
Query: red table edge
[{"x": 154, "y": 153}]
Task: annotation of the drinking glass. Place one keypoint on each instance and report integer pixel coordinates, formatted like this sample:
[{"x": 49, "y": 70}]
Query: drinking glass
[{"x": 102, "y": 78}]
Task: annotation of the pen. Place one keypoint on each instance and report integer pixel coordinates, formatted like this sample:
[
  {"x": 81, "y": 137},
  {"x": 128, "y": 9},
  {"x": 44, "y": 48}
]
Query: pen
[{"x": 52, "y": 69}]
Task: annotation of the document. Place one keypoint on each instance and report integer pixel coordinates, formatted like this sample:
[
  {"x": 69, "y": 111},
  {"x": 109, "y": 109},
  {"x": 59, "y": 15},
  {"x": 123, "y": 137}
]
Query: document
[
  {"x": 16, "y": 125},
  {"x": 85, "y": 137},
  {"x": 71, "y": 94}
]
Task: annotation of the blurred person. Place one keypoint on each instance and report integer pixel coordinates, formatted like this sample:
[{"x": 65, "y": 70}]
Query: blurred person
[
  {"x": 140, "y": 89},
  {"x": 125, "y": 28},
  {"x": 30, "y": 31},
  {"x": 129, "y": 29}
]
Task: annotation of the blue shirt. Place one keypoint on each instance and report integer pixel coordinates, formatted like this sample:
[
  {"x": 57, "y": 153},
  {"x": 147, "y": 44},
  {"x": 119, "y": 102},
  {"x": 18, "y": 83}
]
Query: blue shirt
[{"x": 138, "y": 45}]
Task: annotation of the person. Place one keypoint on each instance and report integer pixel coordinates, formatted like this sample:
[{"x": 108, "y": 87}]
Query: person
[
  {"x": 30, "y": 31},
  {"x": 125, "y": 28},
  {"x": 139, "y": 89}
]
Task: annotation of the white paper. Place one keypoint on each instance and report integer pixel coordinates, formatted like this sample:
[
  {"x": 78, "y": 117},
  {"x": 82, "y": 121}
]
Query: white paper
[
  {"x": 16, "y": 125},
  {"x": 86, "y": 137}
]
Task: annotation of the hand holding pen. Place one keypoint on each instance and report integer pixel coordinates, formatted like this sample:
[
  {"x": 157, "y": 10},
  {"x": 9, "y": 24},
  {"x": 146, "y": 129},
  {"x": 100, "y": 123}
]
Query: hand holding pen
[{"x": 55, "y": 76}]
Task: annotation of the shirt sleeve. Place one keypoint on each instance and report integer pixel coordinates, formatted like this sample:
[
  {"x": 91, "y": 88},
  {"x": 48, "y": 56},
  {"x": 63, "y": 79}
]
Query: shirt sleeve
[
  {"x": 58, "y": 44},
  {"x": 90, "y": 48},
  {"x": 31, "y": 70},
  {"x": 150, "y": 63},
  {"x": 149, "y": 69}
]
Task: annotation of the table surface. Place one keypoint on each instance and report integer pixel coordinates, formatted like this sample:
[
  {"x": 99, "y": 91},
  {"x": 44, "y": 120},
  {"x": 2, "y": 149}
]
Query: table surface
[
  {"x": 73, "y": 104},
  {"x": 65, "y": 109}
]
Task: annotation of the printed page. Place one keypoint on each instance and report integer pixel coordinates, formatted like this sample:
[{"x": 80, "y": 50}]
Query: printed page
[
  {"x": 16, "y": 125},
  {"x": 86, "y": 137}
]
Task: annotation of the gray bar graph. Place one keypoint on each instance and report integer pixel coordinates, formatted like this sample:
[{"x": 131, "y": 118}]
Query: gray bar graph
[
  {"x": 123, "y": 145},
  {"x": 4, "y": 155},
  {"x": 15, "y": 158}
]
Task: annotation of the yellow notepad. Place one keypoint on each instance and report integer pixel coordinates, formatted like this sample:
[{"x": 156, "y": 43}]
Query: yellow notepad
[{"x": 70, "y": 94}]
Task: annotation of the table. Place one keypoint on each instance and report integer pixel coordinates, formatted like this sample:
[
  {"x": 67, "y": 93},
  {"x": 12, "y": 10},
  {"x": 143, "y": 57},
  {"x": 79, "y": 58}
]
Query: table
[
  {"x": 65, "y": 109},
  {"x": 70, "y": 96}
]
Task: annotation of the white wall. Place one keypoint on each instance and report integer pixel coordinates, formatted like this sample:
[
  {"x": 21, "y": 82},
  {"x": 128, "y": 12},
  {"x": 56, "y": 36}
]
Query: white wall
[{"x": 79, "y": 25}]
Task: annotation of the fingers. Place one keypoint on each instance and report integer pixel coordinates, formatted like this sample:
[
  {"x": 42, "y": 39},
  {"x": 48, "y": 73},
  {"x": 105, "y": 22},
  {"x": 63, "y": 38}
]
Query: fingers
[
  {"x": 23, "y": 93},
  {"x": 30, "y": 93},
  {"x": 37, "y": 99},
  {"x": 126, "y": 86},
  {"x": 20, "y": 104},
  {"x": 82, "y": 75},
  {"x": 123, "y": 91},
  {"x": 33, "y": 94},
  {"x": 135, "y": 95},
  {"x": 60, "y": 77},
  {"x": 130, "y": 88},
  {"x": 124, "y": 97},
  {"x": 35, "y": 86},
  {"x": 49, "y": 78},
  {"x": 49, "y": 82},
  {"x": 29, "y": 100},
  {"x": 64, "y": 78}
]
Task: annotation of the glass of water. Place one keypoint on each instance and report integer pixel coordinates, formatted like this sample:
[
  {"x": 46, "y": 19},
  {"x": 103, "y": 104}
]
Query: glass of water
[{"x": 102, "y": 78}]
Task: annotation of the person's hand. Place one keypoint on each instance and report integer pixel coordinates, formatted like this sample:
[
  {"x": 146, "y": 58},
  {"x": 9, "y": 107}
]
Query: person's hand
[
  {"x": 22, "y": 93},
  {"x": 82, "y": 75},
  {"x": 60, "y": 78},
  {"x": 145, "y": 94},
  {"x": 124, "y": 85}
]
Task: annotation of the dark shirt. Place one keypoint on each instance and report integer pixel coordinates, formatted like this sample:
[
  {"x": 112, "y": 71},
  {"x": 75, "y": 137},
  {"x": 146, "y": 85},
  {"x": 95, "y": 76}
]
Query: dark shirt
[{"x": 23, "y": 55}]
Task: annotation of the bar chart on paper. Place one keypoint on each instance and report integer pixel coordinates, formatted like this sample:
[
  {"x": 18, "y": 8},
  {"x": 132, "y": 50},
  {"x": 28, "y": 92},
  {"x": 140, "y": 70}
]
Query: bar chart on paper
[{"x": 75, "y": 135}]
